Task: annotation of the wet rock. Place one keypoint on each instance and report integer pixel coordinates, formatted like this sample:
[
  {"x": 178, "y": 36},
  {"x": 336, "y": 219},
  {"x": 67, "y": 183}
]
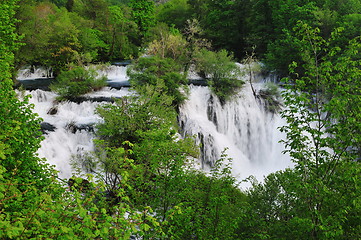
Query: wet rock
[
  {"x": 53, "y": 110},
  {"x": 92, "y": 99},
  {"x": 74, "y": 127},
  {"x": 47, "y": 127}
]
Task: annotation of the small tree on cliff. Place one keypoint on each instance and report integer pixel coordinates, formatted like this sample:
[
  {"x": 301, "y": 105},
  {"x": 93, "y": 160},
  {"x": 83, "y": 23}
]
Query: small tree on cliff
[{"x": 221, "y": 72}]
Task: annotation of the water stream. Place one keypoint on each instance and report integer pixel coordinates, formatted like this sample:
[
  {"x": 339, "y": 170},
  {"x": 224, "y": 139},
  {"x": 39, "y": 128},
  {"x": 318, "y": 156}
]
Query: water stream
[{"x": 242, "y": 125}]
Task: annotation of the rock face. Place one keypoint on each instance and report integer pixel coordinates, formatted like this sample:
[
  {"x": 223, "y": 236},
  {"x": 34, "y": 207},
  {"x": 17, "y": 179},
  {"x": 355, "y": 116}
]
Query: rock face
[
  {"x": 92, "y": 99},
  {"x": 74, "y": 127},
  {"x": 33, "y": 84},
  {"x": 47, "y": 127},
  {"x": 53, "y": 110}
]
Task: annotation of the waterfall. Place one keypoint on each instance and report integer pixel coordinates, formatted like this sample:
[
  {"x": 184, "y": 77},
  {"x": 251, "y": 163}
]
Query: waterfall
[
  {"x": 72, "y": 126},
  {"x": 32, "y": 72},
  {"x": 242, "y": 125}
]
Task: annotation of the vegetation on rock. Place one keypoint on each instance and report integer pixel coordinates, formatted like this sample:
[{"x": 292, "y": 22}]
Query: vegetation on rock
[{"x": 77, "y": 81}]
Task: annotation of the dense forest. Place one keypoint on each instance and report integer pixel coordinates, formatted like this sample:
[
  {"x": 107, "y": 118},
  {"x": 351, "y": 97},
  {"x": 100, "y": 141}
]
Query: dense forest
[{"x": 143, "y": 185}]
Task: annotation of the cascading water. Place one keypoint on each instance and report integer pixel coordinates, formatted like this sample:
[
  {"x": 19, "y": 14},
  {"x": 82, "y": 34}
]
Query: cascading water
[
  {"x": 242, "y": 125},
  {"x": 32, "y": 72},
  {"x": 72, "y": 126},
  {"x": 69, "y": 124}
]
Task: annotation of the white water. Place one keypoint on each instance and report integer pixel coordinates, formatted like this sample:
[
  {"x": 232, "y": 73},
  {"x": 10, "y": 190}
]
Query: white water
[
  {"x": 114, "y": 73},
  {"x": 31, "y": 72},
  {"x": 61, "y": 145},
  {"x": 242, "y": 125}
]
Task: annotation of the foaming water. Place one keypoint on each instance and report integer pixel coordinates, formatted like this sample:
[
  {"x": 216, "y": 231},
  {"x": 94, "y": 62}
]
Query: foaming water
[
  {"x": 70, "y": 137},
  {"x": 242, "y": 125},
  {"x": 31, "y": 72},
  {"x": 114, "y": 73}
]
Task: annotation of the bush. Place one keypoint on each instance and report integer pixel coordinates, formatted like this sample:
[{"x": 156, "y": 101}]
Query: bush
[
  {"x": 76, "y": 82},
  {"x": 156, "y": 71},
  {"x": 221, "y": 72},
  {"x": 272, "y": 96}
]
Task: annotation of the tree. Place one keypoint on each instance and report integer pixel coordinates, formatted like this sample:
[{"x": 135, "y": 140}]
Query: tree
[
  {"x": 131, "y": 116},
  {"x": 32, "y": 203},
  {"x": 60, "y": 3},
  {"x": 95, "y": 10},
  {"x": 77, "y": 81},
  {"x": 319, "y": 198},
  {"x": 122, "y": 33},
  {"x": 168, "y": 43},
  {"x": 223, "y": 23},
  {"x": 221, "y": 71},
  {"x": 174, "y": 12},
  {"x": 143, "y": 14},
  {"x": 146, "y": 126},
  {"x": 50, "y": 37},
  {"x": 19, "y": 126},
  {"x": 35, "y": 27},
  {"x": 281, "y": 50},
  {"x": 211, "y": 206},
  {"x": 163, "y": 73}
]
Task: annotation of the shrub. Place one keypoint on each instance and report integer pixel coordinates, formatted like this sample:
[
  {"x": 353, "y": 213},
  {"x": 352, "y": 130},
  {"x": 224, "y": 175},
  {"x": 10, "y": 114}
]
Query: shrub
[
  {"x": 76, "y": 82},
  {"x": 272, "y": 96},
  {"x": 156, "y": 71},
  {"x": 221, "y": 72}
]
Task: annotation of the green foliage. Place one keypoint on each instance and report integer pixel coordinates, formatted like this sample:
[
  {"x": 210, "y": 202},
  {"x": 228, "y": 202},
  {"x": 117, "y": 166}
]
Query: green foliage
[
  {"x": 281, "y": 48},
  {"x": 19, "y": 127},
  {"x": 211, "y": 207},
  {"x": 95, "y": 10},
  {"x": 272, "y": 97},
  {"x": 54, "y": 42},
  {"x": 225, "y": 23},
  {"x": 270, "y": 27},
  {"x": 169, "y": 43},
  {"x": 318, "y": 199},
  {"x": 342, "y": 7},
  {"x": 279, "y": 208},
  {"x": 91, "y": 45},
  {"x": 59, "y": 3},
  {"x": 164, "y": 73},
  {"x": 122, "y": 34},
  {"x": 131, "y": 116},
  {"x": 61, "y": 212},
  {"x": 143, "y": 14},
  {"x": 174, "y": 12},
  {"x": 76, "y": 82},
  {"x": 58, "y": 37},
  {"x": 120, "y": 29},
  {"x": 221, "y": 71},
  {"x": 148, "y": 122},
  {"x": 163, "y": 157}
]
